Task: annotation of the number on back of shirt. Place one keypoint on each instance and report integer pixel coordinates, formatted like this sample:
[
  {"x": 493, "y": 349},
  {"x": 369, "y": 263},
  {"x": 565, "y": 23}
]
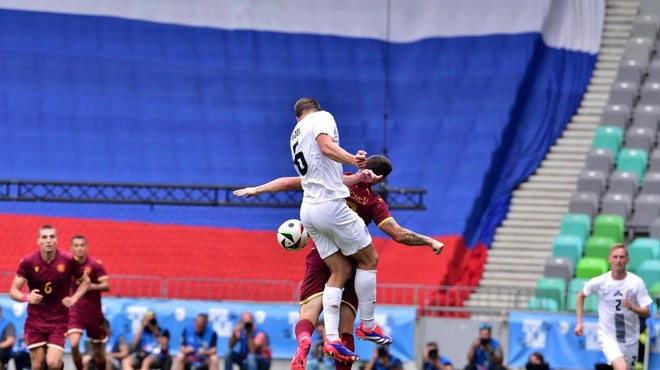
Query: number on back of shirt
[{"x": 299, "y": 160}]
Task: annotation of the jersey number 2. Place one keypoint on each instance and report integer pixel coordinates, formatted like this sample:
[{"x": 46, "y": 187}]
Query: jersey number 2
[{"x": 299, "y": 160}]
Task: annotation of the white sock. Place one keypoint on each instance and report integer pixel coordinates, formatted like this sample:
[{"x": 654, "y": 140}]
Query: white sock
[
  {"x": 331, "y": 304},
  {"x": 365, "y": 288}
]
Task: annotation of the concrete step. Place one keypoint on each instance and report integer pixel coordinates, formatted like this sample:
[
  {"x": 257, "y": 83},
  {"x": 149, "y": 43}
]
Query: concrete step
[
  {"x": 556, "y": 179},
  {"x": 621, "y": 19},
  {"x": 590, "y": 127},
  {"x": 575, "y": 149},
  {"x": 508, "y": 283},
  {"x": 561, "y": 164},
  {"x": 567, "y": 157},
  {"x": 514, "y": 260},
  {"x": 519, "y": 201},
  {"x": 527, "y": 233},
  {"x": 517, "y": 268},
  {"x": 574, "y": 141},
  {"x": 590, "y": 110},
  {"x": 526, "y": 193},
  {"x": 586, "y": 118},
  {"x": 607, "y": 64},
  {"x": 603, "y": 84},
  {"x": 605, "y": 73},
  {"x": 545, "y": 212},
  {"x": 595, "y": 96},
  {"x": 579, "y": 134},
  {"x": 511, "y": 275},
  {"x": 537, "y": 224},
  {"x": 627, "y": 11},
  {"x": 553, "y": 171},
  {"x": 548, "y": 186},
  {"x": 539, "y": 241},
  {"x": 593, "y": 103},
  {"x": 522, "y": 251},
  {"x": 477, "y": 302}
]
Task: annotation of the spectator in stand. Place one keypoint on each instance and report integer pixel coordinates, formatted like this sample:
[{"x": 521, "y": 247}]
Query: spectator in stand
[
  {"x": 318, "y": 360},
  {"x": 383, "y": 360},
  {"x": 536, "y": 362},
  {"x": 151, "y": 344},
  {"x": 253, "y": 350},
  {"x": 485, "y": 352},
  {"x": 7, "y": 340},
  {"x": 198, "y": 346},
  {"x": 433, "y": 360}
]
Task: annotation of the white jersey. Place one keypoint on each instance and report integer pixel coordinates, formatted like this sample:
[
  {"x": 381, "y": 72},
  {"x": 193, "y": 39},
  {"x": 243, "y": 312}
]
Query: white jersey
[
  {"x": 614, "y": 320},
  {"x": 322, "y": 177}
]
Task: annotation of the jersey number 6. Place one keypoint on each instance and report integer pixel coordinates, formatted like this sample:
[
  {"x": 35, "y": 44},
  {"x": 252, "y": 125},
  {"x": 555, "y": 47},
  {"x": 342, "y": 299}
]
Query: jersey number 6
[{"x": 299, "y": 160}]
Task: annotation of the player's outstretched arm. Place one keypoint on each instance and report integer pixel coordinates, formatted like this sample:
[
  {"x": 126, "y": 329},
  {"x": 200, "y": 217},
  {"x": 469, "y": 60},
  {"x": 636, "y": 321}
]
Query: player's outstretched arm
[
  {"x": 408, "y": 237},
  {"x": 579, "y": 308},
  {"x": 279, "y": 184}
]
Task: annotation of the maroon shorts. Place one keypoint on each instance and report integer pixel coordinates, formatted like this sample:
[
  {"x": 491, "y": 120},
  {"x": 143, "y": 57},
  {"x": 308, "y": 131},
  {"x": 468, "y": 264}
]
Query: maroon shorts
[
  {"x": 92, "y": 323},
  {"x": 52, "y": 335},
  {"x": 317, "y": 274}
]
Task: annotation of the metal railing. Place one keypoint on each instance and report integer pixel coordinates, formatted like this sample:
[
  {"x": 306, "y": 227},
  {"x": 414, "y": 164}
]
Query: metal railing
[
  {"x": 448, "y": 301},
  {"x": 171, "y": 194}
]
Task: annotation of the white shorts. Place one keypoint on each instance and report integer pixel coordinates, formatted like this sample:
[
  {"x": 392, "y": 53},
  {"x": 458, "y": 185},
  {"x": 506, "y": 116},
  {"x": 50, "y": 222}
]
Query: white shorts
[
  {"x": 334, "y": 227},
  {"x": 613, "y": 350}
]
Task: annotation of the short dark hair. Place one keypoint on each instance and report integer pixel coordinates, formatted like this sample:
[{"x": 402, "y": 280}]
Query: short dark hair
[
  {"x": 204, "y": 316},
  {"x": 380, "y": 165},
  {"x": 78, "y": 236},
  {"x": 539, "y": 356},
  {"x": 45, "y": 227},
  {"x": 305, "y": 104}
]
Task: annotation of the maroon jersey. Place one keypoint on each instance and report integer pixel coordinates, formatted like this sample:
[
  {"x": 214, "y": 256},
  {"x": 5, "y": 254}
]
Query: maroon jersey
[
  {"x": 90, "y": 303},
  {"x": 370, "y": 207},
  {"x": 53, "y": 279}
]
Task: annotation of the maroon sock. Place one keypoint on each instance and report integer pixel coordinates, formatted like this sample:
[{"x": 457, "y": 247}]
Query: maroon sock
[
  {"x": 100, "y": 365},
  {"x": 78, "y": 363},
  {"x": 304, "y": 328},
  {"x": 349, "y": 342}
]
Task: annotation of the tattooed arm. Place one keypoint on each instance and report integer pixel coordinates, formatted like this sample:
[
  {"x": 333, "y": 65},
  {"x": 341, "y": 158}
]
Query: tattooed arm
[{"x": 408, "y": 237}]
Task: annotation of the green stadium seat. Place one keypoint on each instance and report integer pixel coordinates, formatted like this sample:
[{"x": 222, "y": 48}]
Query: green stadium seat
[
  {"x": 576, "y": 224},
  {"x": 654, "y": 291},
  {"x": 611, "y": 226},
  {"x": 598, "y": 246},
  {"x": 649, "y": 271},
  {"x": 633, "y": 160},
  {"x": 608, "y": 137},
  {"x": 642, "y": 249},
  {"x": 567, "y": 246},
  {"x": 543, "y": 304},
  {"x": 551, "y": 288},
  {"x": 589, "y": 267},
  {"x": 590, "y": 302}
]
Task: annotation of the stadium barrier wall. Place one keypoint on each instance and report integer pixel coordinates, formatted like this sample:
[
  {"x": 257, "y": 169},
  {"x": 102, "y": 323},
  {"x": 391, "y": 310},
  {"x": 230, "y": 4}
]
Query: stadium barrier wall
[{"x": 278, "y": 320}]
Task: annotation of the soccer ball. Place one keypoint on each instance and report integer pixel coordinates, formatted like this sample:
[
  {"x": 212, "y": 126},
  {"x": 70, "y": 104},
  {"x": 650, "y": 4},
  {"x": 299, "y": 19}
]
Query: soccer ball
[{"x": 291, "y": 235}]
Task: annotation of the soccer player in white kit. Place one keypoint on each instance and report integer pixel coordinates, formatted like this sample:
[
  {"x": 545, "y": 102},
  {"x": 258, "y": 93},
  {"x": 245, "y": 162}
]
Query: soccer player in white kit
[
  {"x": 622, "y": 300},
  {"x": 337, "y": 231}
]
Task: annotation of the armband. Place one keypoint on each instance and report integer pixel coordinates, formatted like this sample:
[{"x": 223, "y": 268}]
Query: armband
[{"x": 24, "y": 298}]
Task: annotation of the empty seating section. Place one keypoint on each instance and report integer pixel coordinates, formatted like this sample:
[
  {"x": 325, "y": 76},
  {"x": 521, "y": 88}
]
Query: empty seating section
[{"x": 617, "y": 197}]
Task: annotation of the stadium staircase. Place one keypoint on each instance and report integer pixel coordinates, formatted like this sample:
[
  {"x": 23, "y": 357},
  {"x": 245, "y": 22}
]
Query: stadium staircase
[{"x": 524, "y": 240}]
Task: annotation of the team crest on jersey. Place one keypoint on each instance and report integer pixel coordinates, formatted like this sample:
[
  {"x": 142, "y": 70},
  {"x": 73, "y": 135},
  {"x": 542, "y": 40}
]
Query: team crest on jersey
[
  {"x": 60, "y": 267},
  {"x": 36, "y": 268}
]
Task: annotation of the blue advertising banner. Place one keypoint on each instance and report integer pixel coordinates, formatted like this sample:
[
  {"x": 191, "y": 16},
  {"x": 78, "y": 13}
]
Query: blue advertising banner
[
  {"x": 552, "y": 335},
  {"x": 277, "y": 320}
]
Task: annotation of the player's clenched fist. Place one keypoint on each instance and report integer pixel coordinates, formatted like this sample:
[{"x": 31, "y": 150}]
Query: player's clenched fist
[
  {"x": 361, "y": 159},
  {"x": 34, "y": 297},
  {"x": 578, "y": 330}
]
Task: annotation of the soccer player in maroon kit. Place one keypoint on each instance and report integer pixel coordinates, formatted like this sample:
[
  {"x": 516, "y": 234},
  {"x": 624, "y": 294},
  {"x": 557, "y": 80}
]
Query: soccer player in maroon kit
[
  {"x": 370, "y": 207},
  {"x": 48, "y": 273},
  {"x": 87, "y": 314}
]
